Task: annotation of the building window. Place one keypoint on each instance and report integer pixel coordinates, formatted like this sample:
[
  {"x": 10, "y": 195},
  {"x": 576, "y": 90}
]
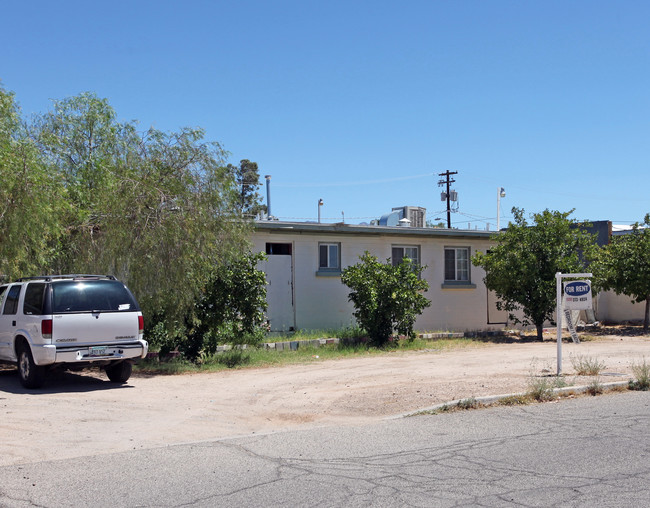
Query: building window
[
  {"x": 329, "y": 258},
  {"x": 278, "y": 249},
  {"x": 400, "y": 252},
  {"x": 457, "y": 264}
]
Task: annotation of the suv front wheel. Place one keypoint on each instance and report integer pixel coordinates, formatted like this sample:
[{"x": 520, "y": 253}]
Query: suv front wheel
[{"x": 31, "y": 375}]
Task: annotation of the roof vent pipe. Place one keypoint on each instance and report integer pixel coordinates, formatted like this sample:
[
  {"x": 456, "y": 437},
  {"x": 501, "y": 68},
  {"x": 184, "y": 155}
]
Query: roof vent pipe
[{"x": 268, "y": 196}]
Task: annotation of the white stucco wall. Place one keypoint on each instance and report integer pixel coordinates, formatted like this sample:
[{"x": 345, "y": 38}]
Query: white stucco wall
[{"x": 616, "y": 309}]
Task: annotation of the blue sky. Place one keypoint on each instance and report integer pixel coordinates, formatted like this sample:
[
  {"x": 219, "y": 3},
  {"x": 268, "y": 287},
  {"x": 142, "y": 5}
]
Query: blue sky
[{"x": 364, "y": 103}]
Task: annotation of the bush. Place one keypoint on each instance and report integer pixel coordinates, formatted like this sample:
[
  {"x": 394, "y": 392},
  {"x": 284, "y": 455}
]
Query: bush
[
  {"x": 386, "y": 298},
  {"x": 230, "y": 310},
  {"x": 162, "y": 339}
]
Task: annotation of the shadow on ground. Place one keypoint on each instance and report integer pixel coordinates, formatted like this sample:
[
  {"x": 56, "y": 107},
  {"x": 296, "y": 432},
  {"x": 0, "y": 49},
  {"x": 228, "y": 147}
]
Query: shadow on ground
[{"x": 58, "y": 382}]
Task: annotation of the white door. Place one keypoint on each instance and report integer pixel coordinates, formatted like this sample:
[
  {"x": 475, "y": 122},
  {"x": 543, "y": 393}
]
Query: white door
[{"x": 279, "y": 293}]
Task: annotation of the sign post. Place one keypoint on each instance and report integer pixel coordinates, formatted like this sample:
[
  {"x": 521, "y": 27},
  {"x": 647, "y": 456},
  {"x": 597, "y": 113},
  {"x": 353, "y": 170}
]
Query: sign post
[{"x": 577, "y": 297}]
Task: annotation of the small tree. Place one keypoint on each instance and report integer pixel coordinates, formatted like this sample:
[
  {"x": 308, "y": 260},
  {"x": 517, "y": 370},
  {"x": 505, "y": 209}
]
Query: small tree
[
  {"x": 232, "y": 307},
  {"x": 247, "y": 179},
  {"x": 386, "y": 298},
  {"x": 624, "y": 266},
  {"x": 521, "y": 267}
]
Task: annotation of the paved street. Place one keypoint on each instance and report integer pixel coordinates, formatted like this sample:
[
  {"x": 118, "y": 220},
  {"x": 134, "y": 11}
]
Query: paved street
[{"x": 579, "y": 452}]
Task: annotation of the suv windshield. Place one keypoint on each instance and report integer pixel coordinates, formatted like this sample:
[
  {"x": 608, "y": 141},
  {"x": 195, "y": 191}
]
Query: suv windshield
[{"x": 91, "y": 295}]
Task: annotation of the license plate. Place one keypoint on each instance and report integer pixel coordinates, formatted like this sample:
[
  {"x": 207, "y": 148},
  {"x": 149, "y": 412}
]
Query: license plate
[{"x": 97, "y": 351}]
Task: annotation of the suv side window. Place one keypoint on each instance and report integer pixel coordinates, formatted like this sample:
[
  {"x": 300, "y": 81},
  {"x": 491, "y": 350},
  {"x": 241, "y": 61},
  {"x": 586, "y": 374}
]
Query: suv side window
[
  {"x": 34, "y": 299},
  {"x": 11, "y": 305}
]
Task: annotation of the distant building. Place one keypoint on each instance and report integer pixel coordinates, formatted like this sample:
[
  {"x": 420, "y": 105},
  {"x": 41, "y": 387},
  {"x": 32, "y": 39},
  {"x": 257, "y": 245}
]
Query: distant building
[{"x": 416, "y": 215}]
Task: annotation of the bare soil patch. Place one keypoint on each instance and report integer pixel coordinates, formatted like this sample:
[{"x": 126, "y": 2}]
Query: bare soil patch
[{"x": 83, "y": 414}]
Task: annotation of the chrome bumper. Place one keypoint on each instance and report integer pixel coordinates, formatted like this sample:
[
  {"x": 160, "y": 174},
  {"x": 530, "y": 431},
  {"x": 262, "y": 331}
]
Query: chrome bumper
[{"x": 50, "y": 354}]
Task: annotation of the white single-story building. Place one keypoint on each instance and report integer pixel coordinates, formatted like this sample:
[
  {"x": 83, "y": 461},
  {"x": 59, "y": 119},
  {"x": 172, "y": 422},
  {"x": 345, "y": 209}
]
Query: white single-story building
[{"x": 305, "y": 261}]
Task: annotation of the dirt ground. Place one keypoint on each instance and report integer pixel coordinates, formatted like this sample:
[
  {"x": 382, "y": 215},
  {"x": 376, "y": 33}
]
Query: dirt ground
[{"x": 83, "y": 414}]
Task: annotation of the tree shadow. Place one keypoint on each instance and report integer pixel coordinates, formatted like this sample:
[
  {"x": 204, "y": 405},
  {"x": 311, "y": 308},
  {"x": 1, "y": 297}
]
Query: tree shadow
[{"x": 622, "y": 330}]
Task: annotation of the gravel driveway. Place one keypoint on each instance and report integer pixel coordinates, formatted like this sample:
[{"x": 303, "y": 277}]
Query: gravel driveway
[{"x": 83, "y": 414}]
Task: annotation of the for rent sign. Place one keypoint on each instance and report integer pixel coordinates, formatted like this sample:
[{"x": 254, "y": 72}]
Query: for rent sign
[{"x": 577, "y": 295}]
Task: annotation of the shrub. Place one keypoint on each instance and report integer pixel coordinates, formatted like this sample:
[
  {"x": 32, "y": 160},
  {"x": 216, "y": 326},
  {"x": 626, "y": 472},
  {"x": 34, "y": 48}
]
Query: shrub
[
  {"x": 386, "y": 298},
  {"x": 231, "y": 309},
  {"x": 161, "y": 338}
]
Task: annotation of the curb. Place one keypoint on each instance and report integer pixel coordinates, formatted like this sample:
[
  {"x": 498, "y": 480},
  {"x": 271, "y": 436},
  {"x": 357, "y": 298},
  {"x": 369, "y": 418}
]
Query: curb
[{"x": 490, "y": 400}]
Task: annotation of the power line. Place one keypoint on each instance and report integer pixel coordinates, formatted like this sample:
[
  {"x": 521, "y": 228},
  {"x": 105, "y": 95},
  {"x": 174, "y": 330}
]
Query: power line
[{"x": 351, "y": 184}]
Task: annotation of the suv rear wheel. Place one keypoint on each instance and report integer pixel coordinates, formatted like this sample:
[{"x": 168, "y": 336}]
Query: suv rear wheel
[
  {"x": 119, "y": 372},
  {"x": 31, "y": 375}
]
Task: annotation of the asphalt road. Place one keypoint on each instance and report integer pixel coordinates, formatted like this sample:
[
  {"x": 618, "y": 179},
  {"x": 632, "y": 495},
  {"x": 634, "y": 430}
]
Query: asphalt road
[{"x": 589, "y": 451}]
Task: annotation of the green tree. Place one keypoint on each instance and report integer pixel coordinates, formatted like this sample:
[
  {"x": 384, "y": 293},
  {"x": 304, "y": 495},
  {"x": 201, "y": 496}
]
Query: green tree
[
  {"x": 386, "y": 298},
  {"x": 232, "y": 307},
  {"x": 521, "y": 267},
  {"x": 624, "y": 266},
  {"x": 247, "y": 179},
  {"x": 32, "y": 199},
  {"x": 158, "y": 210}
]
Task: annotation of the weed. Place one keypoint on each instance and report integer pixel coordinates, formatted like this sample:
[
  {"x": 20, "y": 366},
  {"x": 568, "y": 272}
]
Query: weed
[
  {"x": 461, "y": 405},
  {"x": 470, "y": 403},
  {"x": 641, "y": 373},
  {"x": 514, "y": 400},
  {"x": 587, "y": 365},
  {"x": 541, "y": 388},
  {"x": 595, "y": 387}
]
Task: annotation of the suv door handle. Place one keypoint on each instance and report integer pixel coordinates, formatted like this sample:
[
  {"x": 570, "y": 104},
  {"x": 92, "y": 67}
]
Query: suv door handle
[{"x": 13, "y": 323}]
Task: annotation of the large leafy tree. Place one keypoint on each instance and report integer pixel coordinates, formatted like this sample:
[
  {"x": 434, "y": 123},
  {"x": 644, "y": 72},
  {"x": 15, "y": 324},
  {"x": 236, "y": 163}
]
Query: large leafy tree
[
  {"x": 624, "y": 266},
  {"x": 33, "y": 199},
  {"x": 156, "y": 209},
  {"x": 386, "y": 298},
  {"x": 521, "y": 267}
]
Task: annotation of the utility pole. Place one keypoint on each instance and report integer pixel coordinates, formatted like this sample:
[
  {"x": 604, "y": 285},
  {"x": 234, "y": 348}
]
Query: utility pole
[{"x": 448, "y": 181}]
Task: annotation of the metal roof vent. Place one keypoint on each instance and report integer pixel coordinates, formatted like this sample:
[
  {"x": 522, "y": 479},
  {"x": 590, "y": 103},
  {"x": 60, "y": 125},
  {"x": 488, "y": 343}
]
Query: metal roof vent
[{"x": 404, "y": 223}]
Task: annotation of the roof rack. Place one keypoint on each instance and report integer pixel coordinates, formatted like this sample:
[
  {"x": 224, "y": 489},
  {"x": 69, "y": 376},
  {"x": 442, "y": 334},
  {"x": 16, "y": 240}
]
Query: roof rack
[{"x": 74, "y": 276}]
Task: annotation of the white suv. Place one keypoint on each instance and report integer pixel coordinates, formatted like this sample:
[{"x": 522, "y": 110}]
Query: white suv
[{"x": 70, "y": 321}]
